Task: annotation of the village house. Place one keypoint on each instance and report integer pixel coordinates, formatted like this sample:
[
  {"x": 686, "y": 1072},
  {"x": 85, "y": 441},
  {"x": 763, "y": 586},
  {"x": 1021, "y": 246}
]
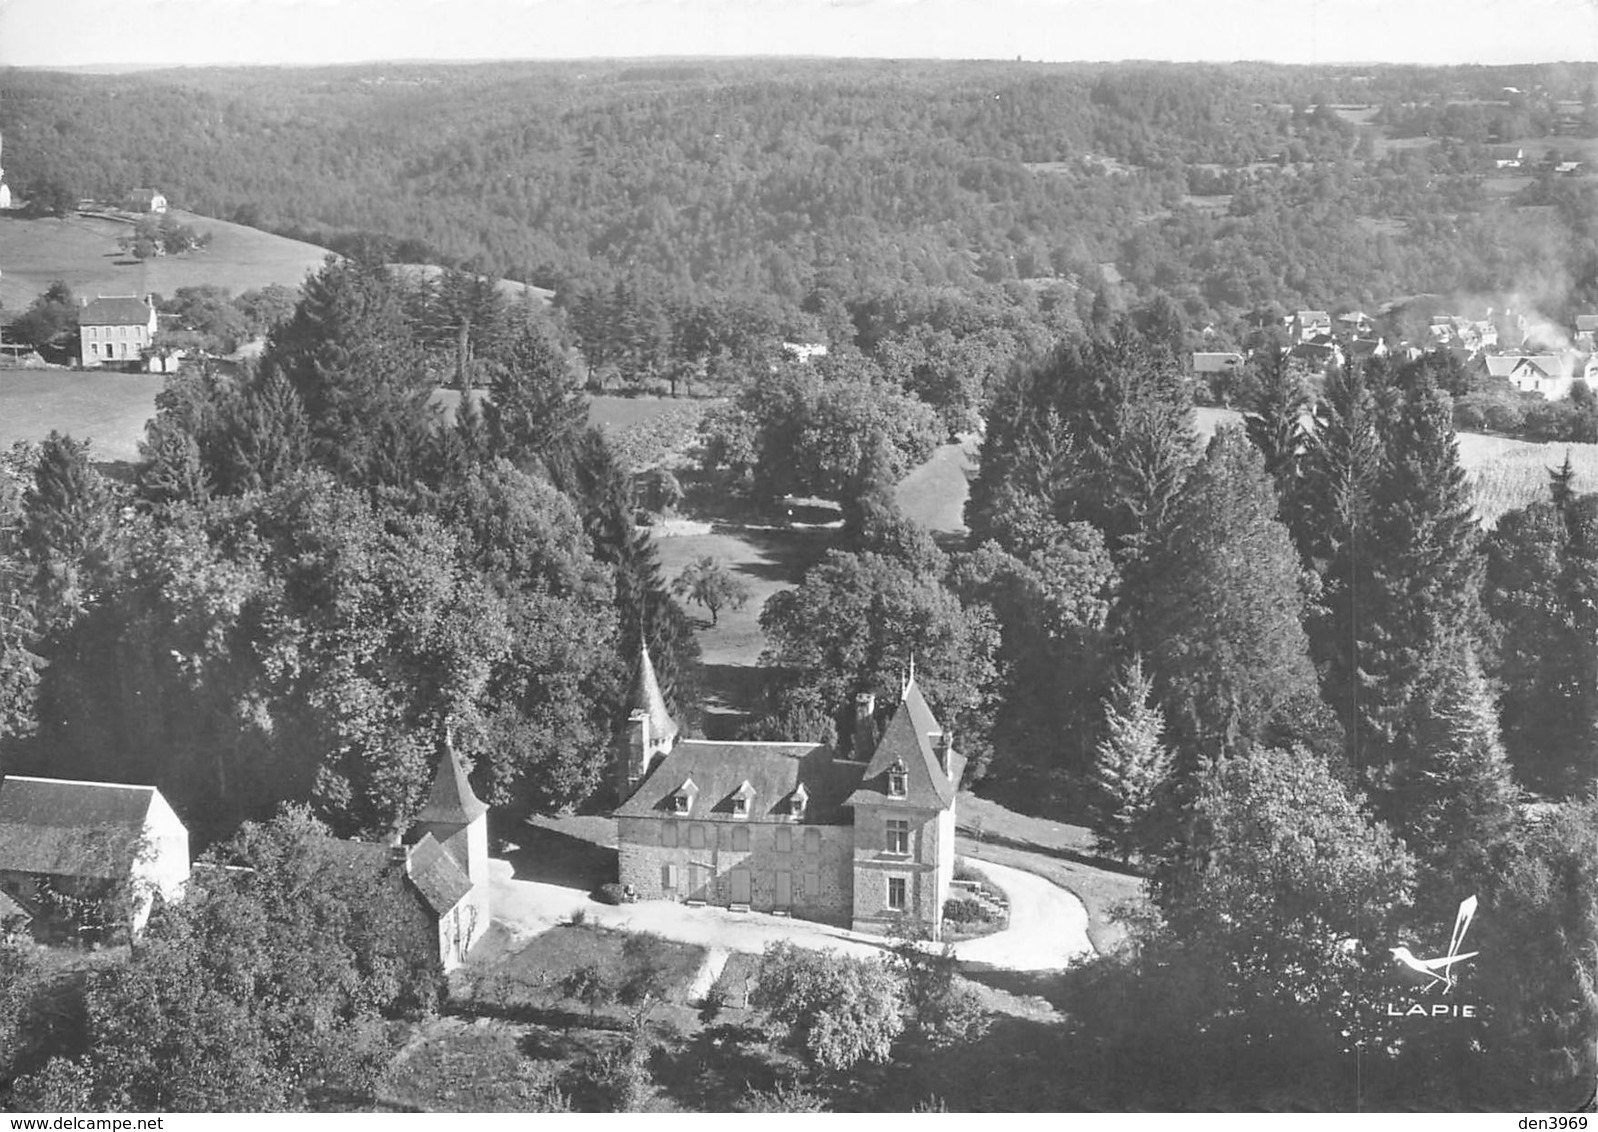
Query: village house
[
  {"x": 1550, "y": 375},
  {"x": 144, "y": 200},
  {"x": 862, "y": 836},
  {"x": 1310, "y": 325},
  {"x": 72, "y": 853},
  {"x": 804, "y": 351},
  {"x": 115, "y": 329},
  {"x": 440, "y": 866},
  {"x": 1587, "y": 332}
]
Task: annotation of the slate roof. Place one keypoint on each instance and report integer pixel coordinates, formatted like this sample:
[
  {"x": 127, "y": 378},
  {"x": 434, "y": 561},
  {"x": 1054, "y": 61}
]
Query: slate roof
[
  {"x": 12, "y": 913},
  {"x": 774, "y": 770},
  {"x": 648, "y": 698},
  {"x": 62, "y": 827},
  {"x": 451, "y": 800},
  {"x": 437, "y": 875},
  {"x": 908, "y": 739},
  {"x": 115, "y": 310}
]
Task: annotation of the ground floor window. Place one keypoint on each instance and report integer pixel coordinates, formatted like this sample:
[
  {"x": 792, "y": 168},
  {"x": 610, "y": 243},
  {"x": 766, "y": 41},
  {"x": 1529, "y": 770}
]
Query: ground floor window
[
  {"x": 898, "y": 888},
  {"x": 668, "y": 878},
  {"x": 812, "y": 889}
]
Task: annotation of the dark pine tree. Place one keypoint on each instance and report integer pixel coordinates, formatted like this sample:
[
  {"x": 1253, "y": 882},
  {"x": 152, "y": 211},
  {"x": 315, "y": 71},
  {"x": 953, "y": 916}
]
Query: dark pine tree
[
  {"x": 1426, "y": 560},
  {"x": 1342, "y": 470},
  {"x": 1222, "y": 631}
]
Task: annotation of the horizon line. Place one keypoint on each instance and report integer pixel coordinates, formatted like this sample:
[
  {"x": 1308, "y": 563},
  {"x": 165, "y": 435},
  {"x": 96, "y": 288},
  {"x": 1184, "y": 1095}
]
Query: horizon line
[{"x": 127, "y": 67}]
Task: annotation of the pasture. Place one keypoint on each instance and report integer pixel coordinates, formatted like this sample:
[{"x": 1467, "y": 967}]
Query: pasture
[
  {"x": 82, "y": 251},
  {"x": 109, "y": 409}
]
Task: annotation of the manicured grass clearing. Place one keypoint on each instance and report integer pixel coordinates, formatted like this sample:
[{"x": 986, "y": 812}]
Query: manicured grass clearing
[
  {"x": 613, "y": 413},
  {"x": 765, "y": 559},
  {"x": 83, "y": 251},
  {"x": 108, "y": 408},
  {"x": 934, "y": 494}
]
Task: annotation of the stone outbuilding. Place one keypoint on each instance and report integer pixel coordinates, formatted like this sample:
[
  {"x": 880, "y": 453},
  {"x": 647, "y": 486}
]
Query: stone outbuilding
[{"x": 88, "y": 854}]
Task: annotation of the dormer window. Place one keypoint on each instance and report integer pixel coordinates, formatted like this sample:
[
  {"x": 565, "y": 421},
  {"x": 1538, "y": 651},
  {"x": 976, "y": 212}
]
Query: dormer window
[
  {"x": 797, "y": 803},
  {"x": 682, "y": 799},
  {"x": 743, "y": 800},
  {"x": 898, "y": 780},
  {"x": 681, "y": 802}
]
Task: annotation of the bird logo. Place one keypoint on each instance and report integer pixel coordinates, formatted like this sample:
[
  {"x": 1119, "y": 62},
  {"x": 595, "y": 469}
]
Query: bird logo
[{"x": 1441, "y": 969}]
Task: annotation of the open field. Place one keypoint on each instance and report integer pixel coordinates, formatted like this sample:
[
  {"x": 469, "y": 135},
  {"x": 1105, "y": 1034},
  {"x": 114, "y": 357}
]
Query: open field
[
  {"x": 509, "y": 288},
  {"x": 82, "y": 251},
  {"x": 108, "y": 408},
  {"x": 934, "y": 494}
]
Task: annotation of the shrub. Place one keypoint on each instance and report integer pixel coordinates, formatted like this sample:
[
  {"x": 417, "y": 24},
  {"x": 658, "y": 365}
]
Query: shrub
[
  {"x": 963, "y": 871},
  {"x": 612, "y": 892},
  {"x": 839, "y": 1010},
  {"x": 966, "y": 910}
]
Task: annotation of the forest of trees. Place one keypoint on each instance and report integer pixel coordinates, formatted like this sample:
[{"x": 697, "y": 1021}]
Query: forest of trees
[
  {"x": 789, "y": 192},
  {"x": 316, "y": 580}
]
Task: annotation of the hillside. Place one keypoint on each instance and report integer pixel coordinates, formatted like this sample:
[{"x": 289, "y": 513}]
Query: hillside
[{"x": 83, "y": 251}]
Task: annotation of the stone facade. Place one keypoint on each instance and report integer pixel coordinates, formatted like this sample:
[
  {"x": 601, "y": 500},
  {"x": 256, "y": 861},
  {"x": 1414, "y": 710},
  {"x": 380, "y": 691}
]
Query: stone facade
[
  {"x": 862, "y": 838},
  {"x": 802, "y": 870}
]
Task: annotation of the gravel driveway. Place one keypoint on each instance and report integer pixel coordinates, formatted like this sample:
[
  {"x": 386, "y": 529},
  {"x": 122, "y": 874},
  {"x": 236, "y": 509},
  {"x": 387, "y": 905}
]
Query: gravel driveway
[{"x": 1048, "y": 926}]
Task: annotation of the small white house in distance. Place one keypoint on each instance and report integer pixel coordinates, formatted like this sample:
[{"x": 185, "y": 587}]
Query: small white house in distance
[
  {"x": 65, "y": 845},
  {"x": 145, "y": 200},
  {"x": 805, "y": 351}
]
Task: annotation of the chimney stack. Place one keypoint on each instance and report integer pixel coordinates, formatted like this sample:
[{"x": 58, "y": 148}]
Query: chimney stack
[
  {"x": 944, "y": 747},
  {"x": 397, "y": 852},
  {"x": 865, "y": 724}
]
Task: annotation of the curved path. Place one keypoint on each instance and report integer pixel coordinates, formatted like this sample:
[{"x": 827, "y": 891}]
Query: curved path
[{"x": 1048, "y": 925}]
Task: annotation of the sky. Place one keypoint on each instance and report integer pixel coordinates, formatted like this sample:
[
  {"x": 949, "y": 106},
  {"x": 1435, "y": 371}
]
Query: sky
[{"x": 56, "y": 33}]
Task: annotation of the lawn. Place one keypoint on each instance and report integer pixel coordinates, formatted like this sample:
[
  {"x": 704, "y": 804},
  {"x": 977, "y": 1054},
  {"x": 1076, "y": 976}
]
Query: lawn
[
  {"x": 108, "y": 408},
  {"x": 83, "y": 252},
  {"x": 934, "y": 494}
]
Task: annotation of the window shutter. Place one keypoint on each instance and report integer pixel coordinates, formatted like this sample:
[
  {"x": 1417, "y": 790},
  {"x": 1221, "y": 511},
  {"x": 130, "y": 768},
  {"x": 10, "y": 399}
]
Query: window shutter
[
  {"x": 784, "y": 839},
  {"x": 740, "y": 839},
  {"x": 668, "y": 834},
  {"x": 812, "y": 840}
]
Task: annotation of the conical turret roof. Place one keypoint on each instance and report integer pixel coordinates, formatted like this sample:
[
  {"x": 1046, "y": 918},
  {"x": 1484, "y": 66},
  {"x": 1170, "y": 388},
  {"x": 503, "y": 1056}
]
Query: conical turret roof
[
  {"x": 648, "y": 699},
  {"x": 451, "y": 800}
]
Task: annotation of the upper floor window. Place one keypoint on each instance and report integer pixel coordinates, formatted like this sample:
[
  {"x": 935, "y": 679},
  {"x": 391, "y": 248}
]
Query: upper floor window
[
  {"x": 898, "y": 780},
  {"x": 898, "y": 837}
]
